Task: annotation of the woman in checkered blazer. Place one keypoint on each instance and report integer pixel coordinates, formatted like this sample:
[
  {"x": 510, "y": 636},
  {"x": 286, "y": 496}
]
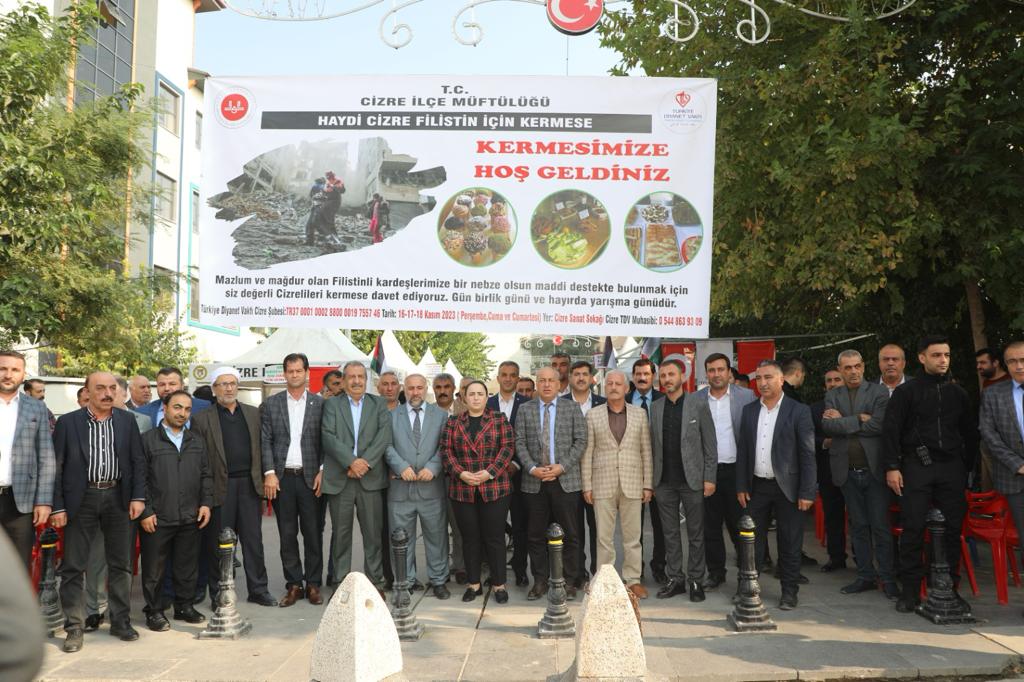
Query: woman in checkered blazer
[{"x": 476, "y": 449}]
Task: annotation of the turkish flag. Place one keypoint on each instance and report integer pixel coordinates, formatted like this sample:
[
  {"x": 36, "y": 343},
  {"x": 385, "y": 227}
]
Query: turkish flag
[{"x": 575, "y": 17}]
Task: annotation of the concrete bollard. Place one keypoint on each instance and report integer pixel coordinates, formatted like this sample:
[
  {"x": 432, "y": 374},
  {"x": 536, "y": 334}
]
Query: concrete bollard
[
  {"x": 943, "y": 606},
  {"x": 556, "y": 622},
  {"x": 749, "y": 614},
  {"x": 49, "y": 600},
  {"x": 409, "y": 629},
  {"x": 226, "y": 622}
]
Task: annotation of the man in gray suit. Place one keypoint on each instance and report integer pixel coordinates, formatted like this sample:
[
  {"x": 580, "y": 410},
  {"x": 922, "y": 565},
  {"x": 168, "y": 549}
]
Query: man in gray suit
[
  {"x": 1002, "y": 428},
  {"x": 685, "y": 456},
  {"x": 291, "y": 453},
  {"x": 417, "y": 486},
  {"x": 27, "y": 463},
  {"x": 551, "y": 435},
  {"x": 853, "y": 417},
  {"x": 725, "y": 401},
  {"x": 356, "y": 433}
]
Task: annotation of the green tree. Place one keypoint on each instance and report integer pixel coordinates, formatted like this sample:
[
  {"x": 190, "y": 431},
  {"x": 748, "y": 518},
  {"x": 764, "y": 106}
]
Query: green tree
[
  {"x": 64, "y": 179},
  {"x": 868, "y": 174},
  {"x": 467, "y": 350}
]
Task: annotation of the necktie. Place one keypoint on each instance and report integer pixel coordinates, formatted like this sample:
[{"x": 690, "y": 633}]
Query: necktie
[
  {"x": 643, "y": 402},
  {"x": 416, "y": 427},
  {"x": 545, "y": 430}
]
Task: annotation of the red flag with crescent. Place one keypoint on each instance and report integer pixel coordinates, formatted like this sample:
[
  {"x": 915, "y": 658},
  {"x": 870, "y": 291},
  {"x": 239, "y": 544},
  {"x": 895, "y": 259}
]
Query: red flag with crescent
[{"x": 575, "y": 17}]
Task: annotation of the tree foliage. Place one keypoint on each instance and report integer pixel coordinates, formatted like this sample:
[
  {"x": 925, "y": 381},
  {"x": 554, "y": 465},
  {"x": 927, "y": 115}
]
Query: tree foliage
[
  {"x": 64, "y": 187},
  {"x": 467, "y": 350},
  {"x": 868, "y": 173}
]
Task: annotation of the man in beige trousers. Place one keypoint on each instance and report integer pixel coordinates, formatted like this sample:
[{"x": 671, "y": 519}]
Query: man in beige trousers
[{"x": 617, "y": 471}]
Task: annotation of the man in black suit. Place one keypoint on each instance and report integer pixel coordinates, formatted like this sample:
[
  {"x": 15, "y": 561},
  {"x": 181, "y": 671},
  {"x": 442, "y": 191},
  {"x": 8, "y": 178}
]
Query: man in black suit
[
  {"x": 169, "y": 380},
  {"x": 581, "y": 383},
  {"x": 100, "y": 484},
  {"x": 643, "y": 394},
  {"x": 776, "y": 472},
  {"x": 507, "y": 401},
  {"x": 292, "y": 456}
]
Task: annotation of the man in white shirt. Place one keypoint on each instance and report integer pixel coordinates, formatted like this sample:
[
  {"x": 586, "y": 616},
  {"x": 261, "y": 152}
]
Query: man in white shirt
[
  {"x": 725, "y": 400},
  {"x": 561, "y": 361},
  {"x": 892, "y": 361}
]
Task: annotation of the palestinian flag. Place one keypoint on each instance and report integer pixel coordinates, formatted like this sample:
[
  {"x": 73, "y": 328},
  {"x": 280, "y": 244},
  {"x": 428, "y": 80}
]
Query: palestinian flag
[
  {"x": 378, "y": 364},
  {"x": 608, "y": 360},
  {"x": 652, "y": 349}
]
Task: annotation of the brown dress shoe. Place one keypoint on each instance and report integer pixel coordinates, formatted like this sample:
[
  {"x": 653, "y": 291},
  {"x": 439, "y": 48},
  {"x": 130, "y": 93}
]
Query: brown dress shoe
[
  {"x": 313, "y": 595},
  {"x": 639, "y": 590},
  {"x": 294, "y": 594}
]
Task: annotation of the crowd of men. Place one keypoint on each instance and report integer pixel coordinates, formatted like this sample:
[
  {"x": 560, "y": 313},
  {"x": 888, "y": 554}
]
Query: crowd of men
[{"x": 175, "y": 470}]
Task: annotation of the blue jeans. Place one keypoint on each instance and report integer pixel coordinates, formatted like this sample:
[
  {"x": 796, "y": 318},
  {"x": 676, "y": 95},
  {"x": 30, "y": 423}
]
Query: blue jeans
[{"x": 867, "y": 500}]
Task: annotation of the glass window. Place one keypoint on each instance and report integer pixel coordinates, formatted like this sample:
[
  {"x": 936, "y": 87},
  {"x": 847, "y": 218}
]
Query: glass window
[
  {"x": 199, "y": 130},
  {"x": 193, "y": 308},
  {"x": 166, "y": 197},
  {"x": 106, "y": 55},
  {"x": 195, "y": 212},
  {"x": 167, "y": 109}
]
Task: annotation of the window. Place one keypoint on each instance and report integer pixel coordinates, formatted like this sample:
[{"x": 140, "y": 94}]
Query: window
[
  {"x": 105, "y": 58},
  {"x": 166, "y": 197},
  {"x": 199, "y": 130},
  {"x": 195, "y": 212},
  {"x": 167, "y": 109},
  {"x": 193, "y": 308}
]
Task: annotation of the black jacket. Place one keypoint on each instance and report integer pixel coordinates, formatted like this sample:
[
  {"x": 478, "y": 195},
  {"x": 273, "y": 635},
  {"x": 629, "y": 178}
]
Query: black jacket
[
  {"x": 177, "y": 484},
  {"x": 931, "y": 411}
]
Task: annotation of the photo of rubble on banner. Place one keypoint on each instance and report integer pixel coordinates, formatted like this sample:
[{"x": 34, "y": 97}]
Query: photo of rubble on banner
[{"x": 309, "y": 199}]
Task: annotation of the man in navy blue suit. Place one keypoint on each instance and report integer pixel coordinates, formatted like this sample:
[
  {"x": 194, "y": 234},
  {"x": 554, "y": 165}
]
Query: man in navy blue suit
[{"x": 169, "y": 380}]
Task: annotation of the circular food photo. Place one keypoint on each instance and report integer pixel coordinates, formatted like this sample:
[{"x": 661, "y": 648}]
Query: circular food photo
[
  {"x": 663, "y": 232},
  {"x": 476, "y": 227},
  {"x": 570, "y": 229}
]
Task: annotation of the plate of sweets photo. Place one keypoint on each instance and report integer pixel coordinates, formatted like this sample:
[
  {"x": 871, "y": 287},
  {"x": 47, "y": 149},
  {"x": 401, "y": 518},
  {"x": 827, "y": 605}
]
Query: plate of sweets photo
[
  {"x": 476, "y": 227},
  {"x": 570, "y": 229},
  {"x": 663, "y": 232}
]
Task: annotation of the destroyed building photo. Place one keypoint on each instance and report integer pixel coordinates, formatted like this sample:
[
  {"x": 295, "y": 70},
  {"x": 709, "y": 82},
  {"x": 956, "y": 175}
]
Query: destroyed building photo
[{"x": 291, "y": 205}]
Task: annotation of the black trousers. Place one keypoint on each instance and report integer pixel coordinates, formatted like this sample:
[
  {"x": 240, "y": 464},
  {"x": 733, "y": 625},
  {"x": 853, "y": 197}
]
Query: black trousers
[
  {"x": 940, "y": 485},
  {"x": 552, "y": 504},
  {"x": 721, "y": 507},
  {"x": 297, "y": 508},
  {"x": 18, "y": 526},
  {"x": 520, "y": 521},
  {"x": 181, "y": 544},
  {"x": 766, "y": 498},
  {"x": 242, "y": 512},
  {"x": 482, "y": 525},
  {"x": 658, "y": 553},
  {"x": 834, "y": 507},
  {"x": 321, "y": 510},
  {"x": 586, "y": 515},
  {"x": 100, "y": 509}
]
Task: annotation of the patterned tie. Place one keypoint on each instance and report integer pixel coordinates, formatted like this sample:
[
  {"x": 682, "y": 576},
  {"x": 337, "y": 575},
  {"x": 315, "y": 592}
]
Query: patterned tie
[
  {"x": 416, "y": 427},
  {"x": 643, "y": 402},
  {"x": 545, "y": 430}
]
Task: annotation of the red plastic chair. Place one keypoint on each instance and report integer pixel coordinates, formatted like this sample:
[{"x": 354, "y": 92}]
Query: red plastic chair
[{"x": 988, "y": 518}]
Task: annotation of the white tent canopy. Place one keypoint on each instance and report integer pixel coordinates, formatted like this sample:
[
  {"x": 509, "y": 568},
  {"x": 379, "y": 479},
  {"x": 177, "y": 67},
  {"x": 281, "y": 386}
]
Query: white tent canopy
[
  {"x": 319, "y": 345},
  {"x": 395, "y": 357},
  {"x": 428, "y": 366},
  {"x": 450, "y": 368}
]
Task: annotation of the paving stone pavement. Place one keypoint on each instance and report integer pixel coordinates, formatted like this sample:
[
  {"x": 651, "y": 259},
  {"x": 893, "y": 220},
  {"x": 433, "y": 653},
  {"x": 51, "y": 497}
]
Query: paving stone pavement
[{"x": 830, "y": 636}]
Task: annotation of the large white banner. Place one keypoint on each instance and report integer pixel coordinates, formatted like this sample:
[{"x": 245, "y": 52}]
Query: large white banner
[{"x": 451, "y": 203}]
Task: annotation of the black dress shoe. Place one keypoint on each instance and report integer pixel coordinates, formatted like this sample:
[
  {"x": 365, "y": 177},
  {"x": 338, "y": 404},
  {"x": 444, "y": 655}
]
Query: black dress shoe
[
  {"x": 807, "y": 560},
  {"x": 696, "y": 591},
  {"x": 832, "y": 565},
  {"x": 417, "y": 586},
  {"x": 262, "y": 599},
  {"x": 802, "y": 579},
  {"x": 441, "y": 592},
  {"x": 157, "y": 622},
  {"x": 125, "y": 633},
  {"x": 93, "y": 622},
  {"x": 907, "y": 604},
  {"x": 788, "y": 601},
  {"x": 501, "y": 596},
  {"x": 470, "y": 594},
  {"x": 189, "y": 615},
  {"x": 539, "y": 589},
  {"x": 671, "y": 589},
  {"x": 891, "y": 591},
  {"x": 522, "y": 580},
  {"x": 857, "y": 586},
  {"x": 714, "y": 580},
  {"x": 74, "y": 641},
  {"x": 659, "y": 574}
]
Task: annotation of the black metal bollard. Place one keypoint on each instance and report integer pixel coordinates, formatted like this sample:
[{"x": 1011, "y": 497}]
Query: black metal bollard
[
  {"x": 409, "y": 629},
  {"x": 943, "y": 606},
  {"x": 226, "y": 622},
  {"x": 49, "y": 600},
  {"x": 749, "y": 614},
  {"x": 556, "y": 622}
]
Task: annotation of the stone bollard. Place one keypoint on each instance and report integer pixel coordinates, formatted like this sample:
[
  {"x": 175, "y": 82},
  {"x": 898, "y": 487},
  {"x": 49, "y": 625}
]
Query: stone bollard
[
  {"x": 226, "y": 622},
  {"x": 942, "y": 606},
  {"x": 356, "y": 639},
  {"x": 49, "y": 600},
  {"x": 409, "y": 630},
  {"x": 749, "y": 614},
  {"x": 556, "y": 622}
]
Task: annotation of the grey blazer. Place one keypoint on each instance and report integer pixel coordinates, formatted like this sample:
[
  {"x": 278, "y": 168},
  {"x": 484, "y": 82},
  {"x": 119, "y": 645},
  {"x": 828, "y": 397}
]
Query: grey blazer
[
  {"x": 698, "y": 444},
  {"x": 872, "y": 399},
  {"x": 570, "y": 442},
  {"x": 338, "y": 431},
  {"x": 403, "y": 453},
  {"x": 33, "y": 464},
  {"x": 276, "y": 435},
  {"x": 1001, "y": 433},
  {"x": 738, "y": 397}
]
